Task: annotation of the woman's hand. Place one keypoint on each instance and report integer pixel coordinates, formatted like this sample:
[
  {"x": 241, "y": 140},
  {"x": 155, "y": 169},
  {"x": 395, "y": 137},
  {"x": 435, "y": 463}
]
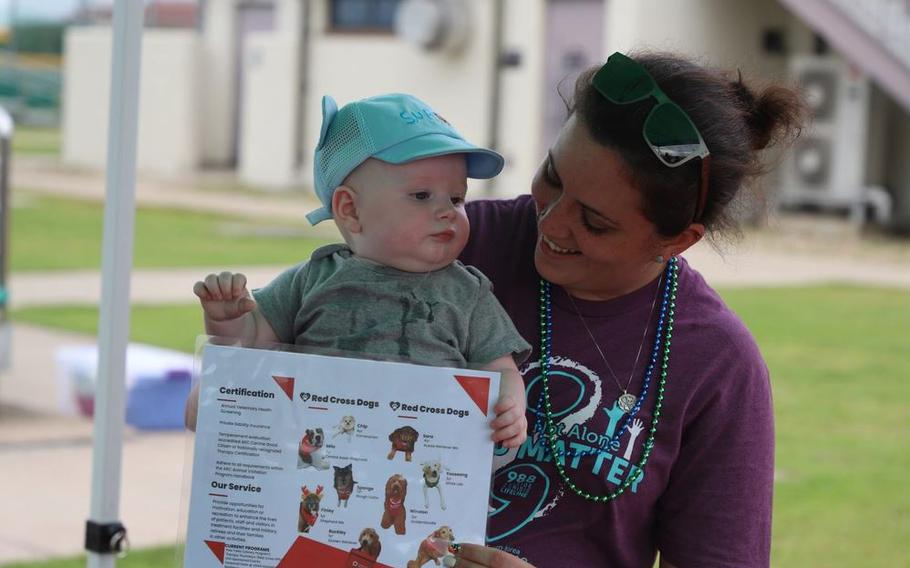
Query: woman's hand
[{"x": 476, "y": 556}]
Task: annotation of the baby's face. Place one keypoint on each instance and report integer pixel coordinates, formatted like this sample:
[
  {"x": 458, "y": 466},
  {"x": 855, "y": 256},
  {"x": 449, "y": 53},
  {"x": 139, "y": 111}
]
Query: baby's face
[{"x": 412, "y": 215}]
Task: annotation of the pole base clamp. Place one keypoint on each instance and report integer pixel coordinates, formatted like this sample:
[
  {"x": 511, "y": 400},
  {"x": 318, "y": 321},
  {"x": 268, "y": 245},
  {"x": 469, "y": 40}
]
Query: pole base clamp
[{"x": 106, "y": 538}]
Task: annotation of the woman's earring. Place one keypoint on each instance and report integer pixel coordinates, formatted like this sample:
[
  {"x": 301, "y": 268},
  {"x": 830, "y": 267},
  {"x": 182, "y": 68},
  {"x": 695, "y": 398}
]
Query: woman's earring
[{"x": 659, "y": 259}]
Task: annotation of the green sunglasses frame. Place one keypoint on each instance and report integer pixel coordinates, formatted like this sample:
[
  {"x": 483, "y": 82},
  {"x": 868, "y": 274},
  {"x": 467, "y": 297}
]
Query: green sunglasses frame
[{"x": 607, "y": 73}]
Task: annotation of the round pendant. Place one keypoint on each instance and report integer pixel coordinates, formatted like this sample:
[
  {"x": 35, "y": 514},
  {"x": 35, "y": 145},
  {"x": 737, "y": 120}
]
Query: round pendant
[{"x": 627, "y": 402}]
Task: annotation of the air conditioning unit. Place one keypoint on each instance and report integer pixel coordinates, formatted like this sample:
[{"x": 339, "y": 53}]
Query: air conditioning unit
[
  {"x": 434, "y": 25},
  {"x": 826, "y": 168}
]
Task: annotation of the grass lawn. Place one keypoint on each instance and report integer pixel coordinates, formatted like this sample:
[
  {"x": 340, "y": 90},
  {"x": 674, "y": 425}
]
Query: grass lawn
[
  {"x": 838, "y": 358},
  {"x": 164, "y": 557},
  {"x": 839, "y": 367},
  {"x": 171, "y": 326},
  {"x": 54, "y": 233},
  {"x": 35, "y": 140}
]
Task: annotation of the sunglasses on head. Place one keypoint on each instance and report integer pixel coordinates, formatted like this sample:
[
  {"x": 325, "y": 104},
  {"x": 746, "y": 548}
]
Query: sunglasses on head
[{"x": 667, "y": 129}]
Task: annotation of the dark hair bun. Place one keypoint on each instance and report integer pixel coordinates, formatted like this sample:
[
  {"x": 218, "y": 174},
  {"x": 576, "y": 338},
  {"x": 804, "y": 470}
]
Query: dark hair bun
[{"x": 775, "y": 115}]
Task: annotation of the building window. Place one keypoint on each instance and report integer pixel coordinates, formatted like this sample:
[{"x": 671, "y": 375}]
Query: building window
[{"x": 363, "y": 15}]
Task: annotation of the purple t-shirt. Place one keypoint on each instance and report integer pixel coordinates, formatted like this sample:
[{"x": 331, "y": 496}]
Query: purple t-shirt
[{"x": 705, "y": 497}]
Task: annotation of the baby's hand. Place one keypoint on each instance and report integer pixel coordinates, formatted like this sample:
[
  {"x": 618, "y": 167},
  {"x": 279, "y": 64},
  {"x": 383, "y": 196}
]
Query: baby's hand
[
  {"x": 510, "y": 427},
  {"x": 224, "y": 296}
]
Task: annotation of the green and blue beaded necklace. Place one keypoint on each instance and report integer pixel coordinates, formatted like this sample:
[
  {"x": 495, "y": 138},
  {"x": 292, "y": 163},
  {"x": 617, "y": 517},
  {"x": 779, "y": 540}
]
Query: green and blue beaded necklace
[{"x": 660, "y": 354}]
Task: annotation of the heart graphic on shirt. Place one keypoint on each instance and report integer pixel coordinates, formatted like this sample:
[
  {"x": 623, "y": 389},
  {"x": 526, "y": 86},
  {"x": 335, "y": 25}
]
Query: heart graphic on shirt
[
  {"x": 395, "y": 405},
  {"x": 304, "y": 396}
]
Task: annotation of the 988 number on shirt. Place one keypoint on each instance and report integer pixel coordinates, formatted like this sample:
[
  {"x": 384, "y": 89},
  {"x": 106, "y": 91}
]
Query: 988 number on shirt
[{"x": 515, "y": 477}]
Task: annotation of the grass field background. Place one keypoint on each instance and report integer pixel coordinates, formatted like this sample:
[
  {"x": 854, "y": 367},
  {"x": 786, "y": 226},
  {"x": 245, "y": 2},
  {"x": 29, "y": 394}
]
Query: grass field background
[
  {"x": 30, "y": 140},
  {"x": 65, "y": 234},
  {"x": 163, "y": 557}
]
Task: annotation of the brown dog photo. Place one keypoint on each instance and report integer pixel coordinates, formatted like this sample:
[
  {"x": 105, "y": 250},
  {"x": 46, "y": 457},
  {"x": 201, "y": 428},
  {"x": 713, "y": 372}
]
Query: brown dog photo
[
  {"x": 369, "y": 543},
  {"x": 394, "y": 512},
  {"x": 436, "y": 547},
  {"x": 403, "y": 440}
]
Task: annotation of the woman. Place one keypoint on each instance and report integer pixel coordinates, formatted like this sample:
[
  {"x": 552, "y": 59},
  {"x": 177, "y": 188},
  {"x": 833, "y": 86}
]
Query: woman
[{"x": 649, "y": 404}]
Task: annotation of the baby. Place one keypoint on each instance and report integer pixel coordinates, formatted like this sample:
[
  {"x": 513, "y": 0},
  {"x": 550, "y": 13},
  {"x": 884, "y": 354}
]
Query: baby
[{"x": 392, "y": 174}]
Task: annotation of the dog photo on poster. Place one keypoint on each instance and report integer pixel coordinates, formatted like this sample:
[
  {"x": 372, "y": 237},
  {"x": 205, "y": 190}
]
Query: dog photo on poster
[{"x": 306, "y": 460}]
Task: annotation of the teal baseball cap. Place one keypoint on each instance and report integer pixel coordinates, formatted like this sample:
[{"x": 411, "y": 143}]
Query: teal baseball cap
[{"x": 395, "y": 128}]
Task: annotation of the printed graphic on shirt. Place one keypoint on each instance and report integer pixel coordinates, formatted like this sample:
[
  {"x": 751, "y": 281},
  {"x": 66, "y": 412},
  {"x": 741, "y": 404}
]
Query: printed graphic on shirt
[
  {"x": 526, "y": 485},
  {"x": 414, "y": 312}
]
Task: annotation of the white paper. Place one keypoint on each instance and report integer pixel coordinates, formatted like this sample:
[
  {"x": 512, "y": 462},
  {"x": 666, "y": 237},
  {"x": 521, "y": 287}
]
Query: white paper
[{"x": 259, "y": 456}]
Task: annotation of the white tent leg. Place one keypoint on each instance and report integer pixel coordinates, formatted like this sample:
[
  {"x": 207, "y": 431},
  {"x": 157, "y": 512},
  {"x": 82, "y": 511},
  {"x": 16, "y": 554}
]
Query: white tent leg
[{"x": 117, "y": 257}]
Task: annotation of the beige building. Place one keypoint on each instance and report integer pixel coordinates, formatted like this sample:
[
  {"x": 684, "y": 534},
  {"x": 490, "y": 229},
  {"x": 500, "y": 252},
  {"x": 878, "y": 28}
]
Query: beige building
[{"x": 243, "y": 90}]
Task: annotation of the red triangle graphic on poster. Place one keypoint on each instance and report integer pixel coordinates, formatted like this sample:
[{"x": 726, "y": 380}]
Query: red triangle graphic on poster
[
  {"x": 306, "y": 552},
  {"x": 217, "y": 548},
  {"x": 286, "y": 384},
  {"x": 478, "y": 388}
]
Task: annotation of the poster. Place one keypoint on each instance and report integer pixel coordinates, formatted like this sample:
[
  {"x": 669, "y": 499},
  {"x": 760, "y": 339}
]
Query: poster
[{"x": 307, "y": 460}]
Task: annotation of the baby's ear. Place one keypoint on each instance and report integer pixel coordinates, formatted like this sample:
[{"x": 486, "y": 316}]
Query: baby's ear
[{"x": 344, "y": 208}]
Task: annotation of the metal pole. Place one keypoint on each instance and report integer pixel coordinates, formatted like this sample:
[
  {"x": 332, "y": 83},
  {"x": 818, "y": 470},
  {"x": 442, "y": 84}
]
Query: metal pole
[
  {"x": 495, "y": 86},
  {"x": 105, "y": 536},
  {"x": 6, "y": 141},
  {"x": 201, "y": 7},
  {"x": 14, "y": 57},
  {"x": 303, "y": 71}
]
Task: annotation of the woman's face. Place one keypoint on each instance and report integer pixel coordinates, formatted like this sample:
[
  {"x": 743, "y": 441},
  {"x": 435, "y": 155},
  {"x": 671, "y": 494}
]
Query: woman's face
[{"x": 593, "y": 239}]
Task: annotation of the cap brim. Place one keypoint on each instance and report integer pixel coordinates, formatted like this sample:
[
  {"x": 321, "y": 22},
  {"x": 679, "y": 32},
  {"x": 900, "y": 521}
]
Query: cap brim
[
  {"x": 482, "y": 163},
  {"x": 319, "y": 215}
]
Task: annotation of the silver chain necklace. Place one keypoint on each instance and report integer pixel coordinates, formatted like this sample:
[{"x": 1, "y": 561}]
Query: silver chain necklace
[{"x": 626, "y": 400}]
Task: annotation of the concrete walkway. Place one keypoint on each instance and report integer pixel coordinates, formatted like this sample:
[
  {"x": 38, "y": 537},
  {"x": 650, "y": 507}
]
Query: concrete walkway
[
  {"x": 46, "y": 460},
  {"x": 46, "y": 457},
  {"x": 752, "y": 268}
]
